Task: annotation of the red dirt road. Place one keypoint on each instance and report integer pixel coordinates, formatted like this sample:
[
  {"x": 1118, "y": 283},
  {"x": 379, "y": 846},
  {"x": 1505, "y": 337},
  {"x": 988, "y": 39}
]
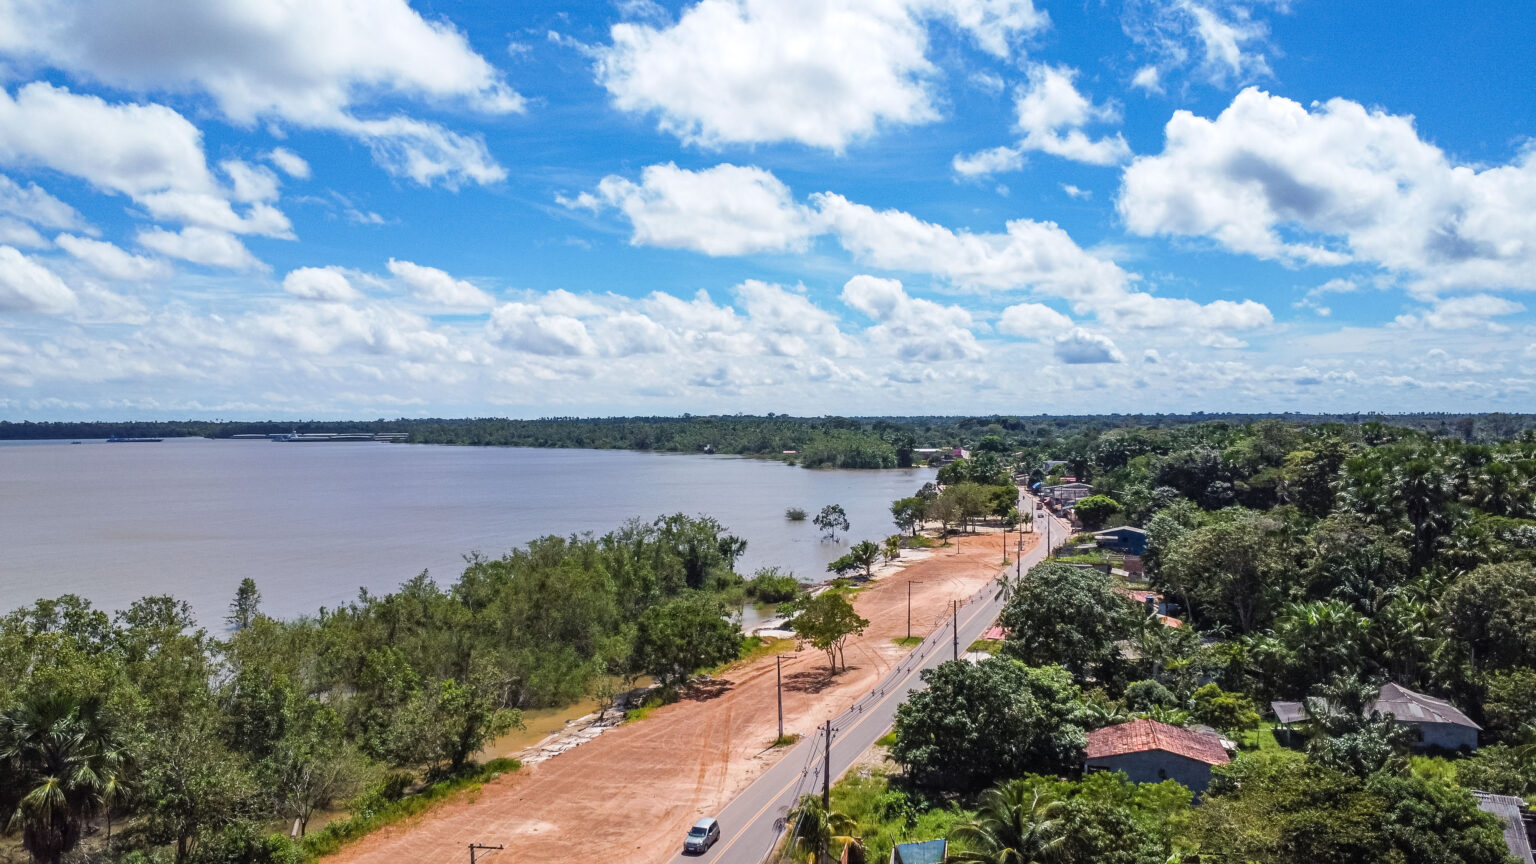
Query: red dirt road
[{"x": 631, "y": 794}]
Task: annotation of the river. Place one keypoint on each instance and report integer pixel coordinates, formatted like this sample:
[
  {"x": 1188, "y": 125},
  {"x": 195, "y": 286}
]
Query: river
[{"x": 311, "y": 523}]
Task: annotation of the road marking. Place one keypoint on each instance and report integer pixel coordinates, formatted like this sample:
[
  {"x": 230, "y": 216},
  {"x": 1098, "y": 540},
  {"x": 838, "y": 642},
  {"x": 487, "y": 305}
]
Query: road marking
[{"x": 774, "y": 799}]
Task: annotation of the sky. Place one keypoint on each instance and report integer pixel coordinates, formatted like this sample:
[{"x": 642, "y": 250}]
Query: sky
[{"x": 368, "y": 208}]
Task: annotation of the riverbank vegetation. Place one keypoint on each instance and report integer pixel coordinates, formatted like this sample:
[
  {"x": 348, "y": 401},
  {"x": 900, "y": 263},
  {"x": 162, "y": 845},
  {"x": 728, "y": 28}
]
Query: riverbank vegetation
[
  {"x": 185, "y": 746},
  {"x": 816, "y": 442},
  {"x": 1303, "y": 564}
]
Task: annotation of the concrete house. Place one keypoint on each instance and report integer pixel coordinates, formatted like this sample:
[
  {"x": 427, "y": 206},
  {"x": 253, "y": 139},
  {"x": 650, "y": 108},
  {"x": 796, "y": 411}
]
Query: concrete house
[
  {"x": 1124, "y": 539},
  {"x": 1066, "y": 494},
  {"x": 1435, "y": 722},
  {"x": 1147, "y": 751}
]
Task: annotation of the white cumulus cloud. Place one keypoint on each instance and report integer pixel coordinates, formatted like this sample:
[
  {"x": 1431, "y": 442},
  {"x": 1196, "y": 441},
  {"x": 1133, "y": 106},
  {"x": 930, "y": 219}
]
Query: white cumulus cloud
[
  {"x": 1083, "y": 347},
  {"x": 326, "y": 284},
  {"x": 819, "y": 72},
  {"x": 438, "y": 287},
  {"x": 27, "y": 286},
  {"x": 724, "y": 210},
  {"x": 309, "y": 64},
  {"x": 1334, "y": 184}
]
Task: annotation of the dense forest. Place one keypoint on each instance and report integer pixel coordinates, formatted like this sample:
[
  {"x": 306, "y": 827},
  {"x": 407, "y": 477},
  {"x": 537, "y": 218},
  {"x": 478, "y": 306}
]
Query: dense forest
[
  {"x": 1308, "y": 564},
  {"x": 140, "y": 737},
  {"x": 815, "y": 442}
]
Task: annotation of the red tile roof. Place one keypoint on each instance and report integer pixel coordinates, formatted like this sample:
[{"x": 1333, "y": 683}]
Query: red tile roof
[
  {"x": 996, "y": 632},
  {"x": 1140, "y": 736}
]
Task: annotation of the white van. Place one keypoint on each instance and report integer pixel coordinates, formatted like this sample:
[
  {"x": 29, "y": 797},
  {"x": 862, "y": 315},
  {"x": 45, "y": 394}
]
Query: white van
[{"x": 701, "y": 836}]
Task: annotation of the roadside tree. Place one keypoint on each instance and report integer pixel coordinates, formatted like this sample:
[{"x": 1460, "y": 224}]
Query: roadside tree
[
  {"x": 908, "y": 513},
  {"x": 826, "y": 621},
  {"x": 1072, "y": 616},
  {"x": 976, "y": 723},
  {"x": 685, "y": 635}
]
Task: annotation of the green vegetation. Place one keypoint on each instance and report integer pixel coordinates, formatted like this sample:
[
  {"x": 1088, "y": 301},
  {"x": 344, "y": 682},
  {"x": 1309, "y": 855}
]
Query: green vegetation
[
  {"x": 1307, "y": 563},
  {"x": 826, "y": 621},
  {"x": 143, "y": 732}
]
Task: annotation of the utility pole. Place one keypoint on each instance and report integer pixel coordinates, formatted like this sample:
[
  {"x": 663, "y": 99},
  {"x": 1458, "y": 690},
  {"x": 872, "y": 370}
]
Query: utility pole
[
  {"x": 826, "y": 771},
  {"x": 1018, "y": 559},
  {"x": 955, "y": 606},
  {"x": 482, "y": 848},
  {"x": 909, "y": 607},
  {"x": 779, "y": 676}
]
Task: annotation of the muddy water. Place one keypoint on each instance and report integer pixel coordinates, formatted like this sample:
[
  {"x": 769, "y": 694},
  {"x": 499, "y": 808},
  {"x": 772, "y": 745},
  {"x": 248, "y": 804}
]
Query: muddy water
[{"x": 311, "y": 523}]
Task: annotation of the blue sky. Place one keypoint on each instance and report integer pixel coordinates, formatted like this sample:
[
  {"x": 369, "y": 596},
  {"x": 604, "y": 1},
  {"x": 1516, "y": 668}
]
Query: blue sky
[{"x": 369, "y": 208}]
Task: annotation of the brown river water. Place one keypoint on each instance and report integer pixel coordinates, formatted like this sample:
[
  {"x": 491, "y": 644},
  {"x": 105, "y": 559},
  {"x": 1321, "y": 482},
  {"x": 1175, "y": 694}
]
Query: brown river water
[{"x": 311, "y": 523}]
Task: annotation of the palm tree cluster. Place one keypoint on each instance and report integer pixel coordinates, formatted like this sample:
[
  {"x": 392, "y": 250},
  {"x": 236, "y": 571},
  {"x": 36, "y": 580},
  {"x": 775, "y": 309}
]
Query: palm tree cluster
[{"x": 65, "y": 766}]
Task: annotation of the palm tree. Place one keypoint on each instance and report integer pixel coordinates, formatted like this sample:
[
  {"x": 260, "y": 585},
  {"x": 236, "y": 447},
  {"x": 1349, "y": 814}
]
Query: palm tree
[
  {"x": 54, "y": 748},
  {"x": 817, "y": 830},
  {"x": 1015, "y": 824}
]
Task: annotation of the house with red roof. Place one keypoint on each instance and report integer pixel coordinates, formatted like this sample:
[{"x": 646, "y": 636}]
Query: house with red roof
[{"x": 1147, "y": 751}]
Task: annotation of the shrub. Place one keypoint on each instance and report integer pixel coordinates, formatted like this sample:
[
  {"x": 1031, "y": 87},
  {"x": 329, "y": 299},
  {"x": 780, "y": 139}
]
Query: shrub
[
  {"x": 770, "y": 585},
  {"x": 795, "y": 514}
]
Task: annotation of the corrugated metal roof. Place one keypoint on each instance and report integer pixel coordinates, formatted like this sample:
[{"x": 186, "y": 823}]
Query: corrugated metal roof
[
  {"x": 1289, "y": 712},
  {"x": 1508, "y": 808},
  {"x": 1410, "y": 707},
  {"x": 1139, "y": 736}
]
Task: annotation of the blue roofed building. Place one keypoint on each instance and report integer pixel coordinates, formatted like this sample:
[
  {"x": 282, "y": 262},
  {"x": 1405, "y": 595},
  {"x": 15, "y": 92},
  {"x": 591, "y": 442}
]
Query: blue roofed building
[{"x": 926, "y": 852}]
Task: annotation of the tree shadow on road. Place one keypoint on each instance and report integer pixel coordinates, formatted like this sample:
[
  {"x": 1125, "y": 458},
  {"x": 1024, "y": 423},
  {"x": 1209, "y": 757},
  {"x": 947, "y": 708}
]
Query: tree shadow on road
[
  {"x": 705, "y": 690},
  {"x": 814, "y": 680}
]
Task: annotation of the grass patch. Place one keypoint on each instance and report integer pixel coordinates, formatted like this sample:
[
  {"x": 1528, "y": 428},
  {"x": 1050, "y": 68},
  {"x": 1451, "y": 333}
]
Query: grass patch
[
  {"x": 887, "y": 740},
  {"x": 990, "y": 646},
  {"x": 908, "y": 641},
  {"x": 886, "y": 815},
  {"x": 1260, "y": 737},
  {"x": 376, "y": 811},
  {"x": 645, "y": 709},
  {"x": 786, "y": 740},
  {"x": 921, "y": 541},
  {"x": 754, "y": 647}
]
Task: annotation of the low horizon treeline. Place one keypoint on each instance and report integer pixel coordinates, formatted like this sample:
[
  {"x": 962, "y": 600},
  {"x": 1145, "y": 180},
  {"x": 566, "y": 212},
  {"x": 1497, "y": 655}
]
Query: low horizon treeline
[{"x": 768, "y": 434}]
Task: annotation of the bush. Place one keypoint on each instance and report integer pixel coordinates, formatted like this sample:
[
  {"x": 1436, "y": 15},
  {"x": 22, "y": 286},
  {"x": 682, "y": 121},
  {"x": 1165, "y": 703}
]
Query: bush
[
  {"x": 795, "y": 514},
  {"x": 1144, "y": 695},
  {"x": 770, "y": 585},
  {"x": 1229, "y": 712}
]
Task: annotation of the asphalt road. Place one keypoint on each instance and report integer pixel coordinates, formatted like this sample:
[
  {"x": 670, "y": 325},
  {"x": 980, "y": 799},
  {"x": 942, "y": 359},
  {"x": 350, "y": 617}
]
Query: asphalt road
[{"x": 750, "y": 826}]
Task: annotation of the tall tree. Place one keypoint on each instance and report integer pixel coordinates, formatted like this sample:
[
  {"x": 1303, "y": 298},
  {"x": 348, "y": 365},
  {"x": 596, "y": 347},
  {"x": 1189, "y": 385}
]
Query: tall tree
[
  {"x": 978, "y": 722},
  {"x": 1072, "y": 616},
  {"x": 826, "y": 621},
  {"x": 246, "y": 605}
]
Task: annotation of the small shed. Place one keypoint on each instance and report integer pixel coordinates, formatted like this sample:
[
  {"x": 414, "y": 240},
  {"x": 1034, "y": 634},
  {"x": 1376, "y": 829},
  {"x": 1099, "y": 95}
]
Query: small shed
[
  {"x": 1147, "y": 751},
  {"x": 1435, "y": 722},
  {"x": 1125, "y": 539}
]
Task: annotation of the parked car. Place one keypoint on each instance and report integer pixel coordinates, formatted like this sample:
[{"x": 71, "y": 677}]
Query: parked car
[{"x": 701, "y": 836}]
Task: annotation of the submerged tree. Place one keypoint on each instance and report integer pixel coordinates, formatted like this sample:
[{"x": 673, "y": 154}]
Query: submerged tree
[{"x": 831, "y": 520}]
